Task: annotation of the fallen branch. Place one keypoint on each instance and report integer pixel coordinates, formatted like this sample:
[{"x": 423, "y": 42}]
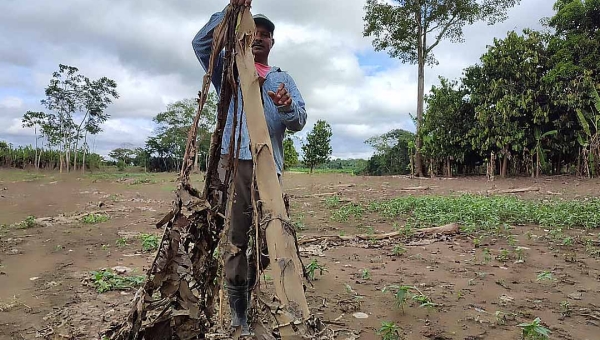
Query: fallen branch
[
  {"x": 513, "y": 191},
  {"x": 448, "y": 229},
  {"x": 415, "y": 189}
]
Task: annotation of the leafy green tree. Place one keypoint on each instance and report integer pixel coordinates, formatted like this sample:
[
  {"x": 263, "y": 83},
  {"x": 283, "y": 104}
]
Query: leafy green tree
[
  {"x": 142, "y": 158},
  {"x": 96, "y": 95},
  {"x": 575, "y": 71},
  {"x": 317, "y": 149},
  {"x": 290, "y": 155},
  {"x": 67, "y": 95},
  {"x": 34, "y": 120},
  {"x": 411, "y": 29},
  {"x": 171, "y": 133},
  {"x": 448, "y": 119},
  {"x": 509, "y": 98},
  {"x": 392, "y": 153},
  {"x": 123, "y": 154}
]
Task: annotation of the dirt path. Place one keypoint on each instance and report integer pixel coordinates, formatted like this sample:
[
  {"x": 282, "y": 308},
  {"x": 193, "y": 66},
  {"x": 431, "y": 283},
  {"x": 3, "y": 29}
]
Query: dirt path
[{"x": 475, "y": 291}]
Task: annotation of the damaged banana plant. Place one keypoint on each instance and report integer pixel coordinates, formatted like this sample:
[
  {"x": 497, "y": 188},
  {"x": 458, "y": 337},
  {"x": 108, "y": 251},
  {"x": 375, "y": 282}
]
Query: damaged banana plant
[{"x": 178, "y": 299}]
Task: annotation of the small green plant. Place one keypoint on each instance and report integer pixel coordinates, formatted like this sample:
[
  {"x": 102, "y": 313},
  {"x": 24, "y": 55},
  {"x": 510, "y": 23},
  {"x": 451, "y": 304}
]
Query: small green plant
[
  {"x": 332, "y": 202},
  {"x": 95, "y": 218},
  {"x": 312, "y": 268},
  {"x": 520, "y": 254},
  {"x": 565, "y": 309},
  {"x": 369, "y": 230},
  {"x": 106, "y": 280},
  {"x": 29, "y": 222},
  {"x": 556, "y": 233},
  {"x": 299, "y": 226},
  {"x": 534, "y": 330},
  {"x": 487, "y": 257},
  {"x": 545, "y": 276},
  {"x": 142, "y": 181},
  {"x": 512, "y": 240},
  {"x": 567, "y": 241},
  {"x": 149, "y": 242},
  {"x": 477, "y": 241},
  {"x": 389, "y": 331},
  {"x": 402, "y": 293},
  {"x": 366, "y": 274},
  {"x": 121, "y": 242},
  {"x": 504, "y": 255},
  {"x": 398, "y": 250}
]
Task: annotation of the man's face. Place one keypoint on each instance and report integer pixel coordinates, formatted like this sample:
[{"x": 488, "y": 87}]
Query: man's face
[{"x": 263, "y": 42}]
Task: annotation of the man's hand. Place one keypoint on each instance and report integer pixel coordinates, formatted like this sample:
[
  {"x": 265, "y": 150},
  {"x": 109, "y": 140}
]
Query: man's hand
[
  {"x": 246, "y": 3},
  {"x": 281, "y": 97}
]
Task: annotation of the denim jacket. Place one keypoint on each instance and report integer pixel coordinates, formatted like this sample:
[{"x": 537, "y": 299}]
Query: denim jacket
[{"x": 293, "y": 119}]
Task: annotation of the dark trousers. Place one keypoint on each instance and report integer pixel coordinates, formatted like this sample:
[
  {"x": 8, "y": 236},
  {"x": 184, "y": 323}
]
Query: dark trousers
[{"x": 237, "y": 262}]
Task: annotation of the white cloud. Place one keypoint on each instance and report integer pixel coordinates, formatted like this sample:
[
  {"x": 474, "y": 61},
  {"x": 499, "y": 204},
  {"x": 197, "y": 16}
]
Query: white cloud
[
  {"x": 145, "y": 46},
  {"x": 11, "y": 102}
]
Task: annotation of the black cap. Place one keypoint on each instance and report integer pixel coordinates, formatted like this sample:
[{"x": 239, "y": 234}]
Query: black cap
[{"x": 263, "y": 20}]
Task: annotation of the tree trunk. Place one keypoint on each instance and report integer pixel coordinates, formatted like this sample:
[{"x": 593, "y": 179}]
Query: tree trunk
[
  {"x": 83, "y": 163},
  {"x": 504, "y": 166},
  {"x": 537, "y": 163},
  {"x": 449, "y": 167},
  {"x": 75, "y": 159},
  {"x": 35, "y": 164},
  {"x": 420, "y": 95}
]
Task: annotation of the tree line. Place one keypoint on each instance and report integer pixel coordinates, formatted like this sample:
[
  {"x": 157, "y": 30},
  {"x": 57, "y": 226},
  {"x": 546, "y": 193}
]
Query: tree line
[
  {"x": 164, "y": 149},
  {"x": 75, "y": 107},
  {"x": 28, "y": 157},
  {"x": 530, "y": 106}
]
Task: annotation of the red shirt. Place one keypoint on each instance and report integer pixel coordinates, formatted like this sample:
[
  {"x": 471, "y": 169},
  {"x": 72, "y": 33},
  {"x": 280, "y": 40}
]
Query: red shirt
[{"x": 262, "y": 69}]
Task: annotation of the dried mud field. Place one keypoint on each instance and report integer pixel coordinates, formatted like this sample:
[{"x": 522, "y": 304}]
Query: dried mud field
[{"x": 498, "y": 272}]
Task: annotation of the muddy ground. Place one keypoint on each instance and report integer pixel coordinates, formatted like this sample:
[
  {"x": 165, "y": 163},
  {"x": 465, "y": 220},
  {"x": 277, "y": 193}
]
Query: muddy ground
[{"x": 46, "y": 290}]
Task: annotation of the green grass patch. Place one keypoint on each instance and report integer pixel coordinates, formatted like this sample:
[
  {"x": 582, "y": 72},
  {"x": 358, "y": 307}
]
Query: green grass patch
[
  {"x": 95, "y": 218},
  {"x": 29, "y": 222},
  {"x": 110, "y": 175},
  {"x": 19, "y": 175},
  {"x": 149, "y": 242},
  {"x": 322, "y": 171},
  {"x": 479, "y": 212},
  {"x": 106, "y": 280}
]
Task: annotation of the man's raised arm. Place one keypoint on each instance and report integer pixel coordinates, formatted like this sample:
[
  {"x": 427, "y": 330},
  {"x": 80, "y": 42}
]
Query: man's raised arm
[{"x": 202, "y": 44}]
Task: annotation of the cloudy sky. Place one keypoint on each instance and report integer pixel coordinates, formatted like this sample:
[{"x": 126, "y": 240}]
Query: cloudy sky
[{"x": 145, "y": 46}]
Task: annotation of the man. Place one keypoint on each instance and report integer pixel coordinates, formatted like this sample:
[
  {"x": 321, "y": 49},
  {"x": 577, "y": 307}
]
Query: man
[{"x": 284, "y": 109}]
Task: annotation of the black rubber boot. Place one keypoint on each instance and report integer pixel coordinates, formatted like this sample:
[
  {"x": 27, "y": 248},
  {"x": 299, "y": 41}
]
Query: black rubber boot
[{"x": 238, "y": 304}]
